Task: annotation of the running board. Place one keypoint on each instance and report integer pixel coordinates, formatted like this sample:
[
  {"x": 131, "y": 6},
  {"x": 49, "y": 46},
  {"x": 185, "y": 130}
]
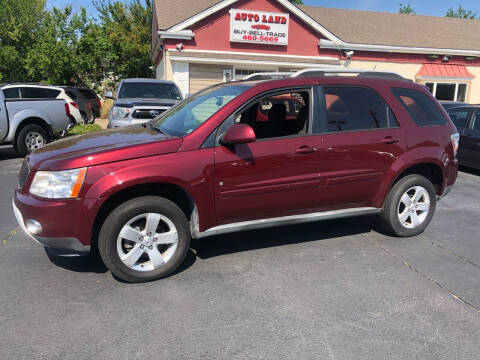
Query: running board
[{"x": 277, "y": 221}]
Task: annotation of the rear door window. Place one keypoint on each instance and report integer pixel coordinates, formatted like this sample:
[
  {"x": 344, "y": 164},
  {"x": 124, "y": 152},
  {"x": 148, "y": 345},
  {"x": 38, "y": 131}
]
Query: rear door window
[
  {"x": 420, "y": 107},
  {"x": 33, "y": 93},
  {"x": 39, "y": 93},
  {"x": 459, "y": 118},
  {"x": 353, "y": 108}
]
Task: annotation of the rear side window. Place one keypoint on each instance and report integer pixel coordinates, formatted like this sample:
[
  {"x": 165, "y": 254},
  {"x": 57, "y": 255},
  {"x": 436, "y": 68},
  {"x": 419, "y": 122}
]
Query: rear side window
[
  {"x": 71, "y": 94},
  {"x": 459, "y": 118},
  {"x": 38, "y": 93},
  {"x": 11, "y": 93},
  {"x": 52, "y": 93},
  {"x": 89, "y": 94},
  {"x": 420, "y": 107},
  {"x": 351, "y": 108}
]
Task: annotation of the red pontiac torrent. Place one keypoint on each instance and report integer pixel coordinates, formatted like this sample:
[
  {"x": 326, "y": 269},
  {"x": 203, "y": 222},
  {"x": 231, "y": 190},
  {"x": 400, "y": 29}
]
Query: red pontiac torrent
[{"x": 215, "y": 164}]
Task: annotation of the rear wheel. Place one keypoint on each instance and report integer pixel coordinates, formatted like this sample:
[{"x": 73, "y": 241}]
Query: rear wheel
[
  {"x": 144, "y": 239},
  {"x": 409, "y": 206},
  {"x": 30, "y": 138},
  {"x": 84, "y": 118}
]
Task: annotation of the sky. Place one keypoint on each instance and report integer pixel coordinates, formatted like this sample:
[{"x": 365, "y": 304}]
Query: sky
[{"x": 421, "y": 7}]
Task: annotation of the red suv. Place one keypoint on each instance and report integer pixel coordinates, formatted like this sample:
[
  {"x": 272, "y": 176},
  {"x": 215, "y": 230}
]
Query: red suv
[{"x": 210, "y": 165}]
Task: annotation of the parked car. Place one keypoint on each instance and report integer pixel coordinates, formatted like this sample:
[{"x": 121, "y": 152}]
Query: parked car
[
  {"x": 36, "y": 91},
  {"x": 467, "y": 121},
  {"x": 208, "y": 167},
  {"x": 447, "y": 105},
  {"x": 29, "y": 124},
  {"x": 140, "y": 100},
  {"x": 84, "y": 105},
  {"x": 94, "y": 100}
]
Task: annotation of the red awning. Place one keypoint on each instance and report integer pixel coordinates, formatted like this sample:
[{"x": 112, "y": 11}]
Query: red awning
[{"x": 445, "y": 70}]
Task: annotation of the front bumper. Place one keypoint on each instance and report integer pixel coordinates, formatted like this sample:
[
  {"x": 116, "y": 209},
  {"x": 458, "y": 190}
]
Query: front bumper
[{"x": 69, "y": 245}]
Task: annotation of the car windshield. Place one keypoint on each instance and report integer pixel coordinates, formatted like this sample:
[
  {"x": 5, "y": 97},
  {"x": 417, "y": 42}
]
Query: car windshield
[
  {"x": 194, "y": 111},
  {"x": 146, "y": 90}
]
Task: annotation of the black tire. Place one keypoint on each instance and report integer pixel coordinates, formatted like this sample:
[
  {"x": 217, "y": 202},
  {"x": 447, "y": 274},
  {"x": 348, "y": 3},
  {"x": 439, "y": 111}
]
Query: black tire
[
  {"x": 21, "y": 139},
  {"x": 113, "y": 224},
  {"x": 84, "y": 118},
  {"x": 389, "y": 214}
]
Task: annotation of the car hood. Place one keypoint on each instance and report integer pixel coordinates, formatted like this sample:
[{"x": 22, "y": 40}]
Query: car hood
[
  {"x": 103, "y": 147},
  {"x": 131, "y": 102}
]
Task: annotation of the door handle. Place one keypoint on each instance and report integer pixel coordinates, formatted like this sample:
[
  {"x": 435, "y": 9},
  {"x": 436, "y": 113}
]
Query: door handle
[
  {"x": 389, "y": 140},
  {"x": 305, "y": 149}
]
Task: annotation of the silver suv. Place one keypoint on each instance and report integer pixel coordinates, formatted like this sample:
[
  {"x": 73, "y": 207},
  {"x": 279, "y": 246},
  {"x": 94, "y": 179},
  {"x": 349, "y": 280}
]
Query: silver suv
[{"x": 140, "y": 100}]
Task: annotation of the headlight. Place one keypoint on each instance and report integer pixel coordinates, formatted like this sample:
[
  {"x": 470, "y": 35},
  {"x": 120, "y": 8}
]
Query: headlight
[
  {"x": 58, "y": 184},
  {"x": 120, "y": 112}
]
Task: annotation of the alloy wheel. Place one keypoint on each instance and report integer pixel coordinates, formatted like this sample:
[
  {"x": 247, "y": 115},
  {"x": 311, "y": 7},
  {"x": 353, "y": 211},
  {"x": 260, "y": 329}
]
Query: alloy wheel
[
  {"x": 147, "y": 242},
  {"x": 414, "y": 207}
]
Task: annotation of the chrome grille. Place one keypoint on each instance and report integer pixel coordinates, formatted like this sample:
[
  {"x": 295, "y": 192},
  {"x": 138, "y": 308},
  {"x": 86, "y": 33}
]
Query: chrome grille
[
  {"x": 23, "y": 175},
  {"x": 146, "y": 113}
]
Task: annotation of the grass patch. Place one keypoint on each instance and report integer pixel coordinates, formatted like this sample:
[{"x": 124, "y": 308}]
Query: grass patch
[{"x": 84, "y": 129}]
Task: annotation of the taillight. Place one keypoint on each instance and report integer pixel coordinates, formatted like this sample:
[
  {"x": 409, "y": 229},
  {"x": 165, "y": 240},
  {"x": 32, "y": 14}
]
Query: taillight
[
  {"x": 74, "y": 104},
  {"x": 89, "y": 106},
  {"x": 99, "y": 103},
  {"x": 455, "y": 138},
  {"x": 67, "y": 110}
]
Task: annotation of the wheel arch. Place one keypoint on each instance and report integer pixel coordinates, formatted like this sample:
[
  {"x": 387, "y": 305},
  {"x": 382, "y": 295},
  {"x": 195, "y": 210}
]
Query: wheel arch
[
  {"x": 431, "y": 170},
  {"x": 173, "y": 192},
  {"x": 33, "y": 120}
]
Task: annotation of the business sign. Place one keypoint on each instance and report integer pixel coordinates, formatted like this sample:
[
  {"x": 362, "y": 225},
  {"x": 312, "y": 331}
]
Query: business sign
[{"x": 258, "y": 27}]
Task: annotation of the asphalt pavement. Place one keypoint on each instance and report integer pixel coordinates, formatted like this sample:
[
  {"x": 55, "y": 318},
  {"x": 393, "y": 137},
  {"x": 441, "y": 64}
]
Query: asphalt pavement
[{"x": 328, "y": 290}]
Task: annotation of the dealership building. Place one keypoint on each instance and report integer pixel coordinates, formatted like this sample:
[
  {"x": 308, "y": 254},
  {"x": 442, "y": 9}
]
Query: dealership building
[{"x": 198, "y": 43}]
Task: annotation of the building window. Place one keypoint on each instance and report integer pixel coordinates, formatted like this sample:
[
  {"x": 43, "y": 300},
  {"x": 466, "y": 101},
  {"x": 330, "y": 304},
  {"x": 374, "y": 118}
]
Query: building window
[
  {"x": 448, "y": 91},
  {"x": 242, "y": 73}
]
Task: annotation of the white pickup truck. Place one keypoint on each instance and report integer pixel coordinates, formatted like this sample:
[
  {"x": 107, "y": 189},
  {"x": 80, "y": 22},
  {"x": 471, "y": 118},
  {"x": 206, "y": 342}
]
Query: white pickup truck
[{"x": 29, "y": 124}]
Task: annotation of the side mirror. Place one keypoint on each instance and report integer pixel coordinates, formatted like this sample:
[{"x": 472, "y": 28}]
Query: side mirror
[
  {"x": 239, "y": 134},
  {"x": 108, "y": 95}
]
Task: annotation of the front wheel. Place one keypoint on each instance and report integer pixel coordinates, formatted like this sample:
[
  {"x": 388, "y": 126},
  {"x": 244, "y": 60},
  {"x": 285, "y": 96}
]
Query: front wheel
[
  {"x": 409, "y": 206},
  {"x": 144, "y": 239}
]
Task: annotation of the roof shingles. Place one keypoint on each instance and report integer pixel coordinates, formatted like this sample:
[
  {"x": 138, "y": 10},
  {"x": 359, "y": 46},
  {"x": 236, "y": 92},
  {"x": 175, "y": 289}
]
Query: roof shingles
[{"x": 358, "y": 27}]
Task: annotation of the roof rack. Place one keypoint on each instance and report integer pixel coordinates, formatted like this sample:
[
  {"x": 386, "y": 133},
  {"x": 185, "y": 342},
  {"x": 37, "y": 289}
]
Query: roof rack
[
  {"x": 268, "y": 76},
  {"x": 321, "y": 72},
  {"x": 361, "y": 73}
]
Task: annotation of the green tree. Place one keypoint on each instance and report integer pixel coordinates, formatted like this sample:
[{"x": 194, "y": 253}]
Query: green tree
[
  {"x": 406, "y": 9},
  {"x": 126, "y": 31},
  {"x": 18, "y": 24},
  {"x": 461, "y": 12},
  {"x": 55, "y": 56},
  {"x": 296, "y": 2}
]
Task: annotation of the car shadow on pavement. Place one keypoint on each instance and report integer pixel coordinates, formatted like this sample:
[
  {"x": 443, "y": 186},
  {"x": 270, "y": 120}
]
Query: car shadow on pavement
[
  {"x": 8, "y": 153},
  {"x": 88, "y": 263},
  {"x": 92, "y": 263},
  {"x": 284, "y": 235},
  {"x": 239, "y": 242}
]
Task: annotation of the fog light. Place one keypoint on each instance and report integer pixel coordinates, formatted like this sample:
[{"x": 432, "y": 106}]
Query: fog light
[{"x": 33, "y": 226}]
